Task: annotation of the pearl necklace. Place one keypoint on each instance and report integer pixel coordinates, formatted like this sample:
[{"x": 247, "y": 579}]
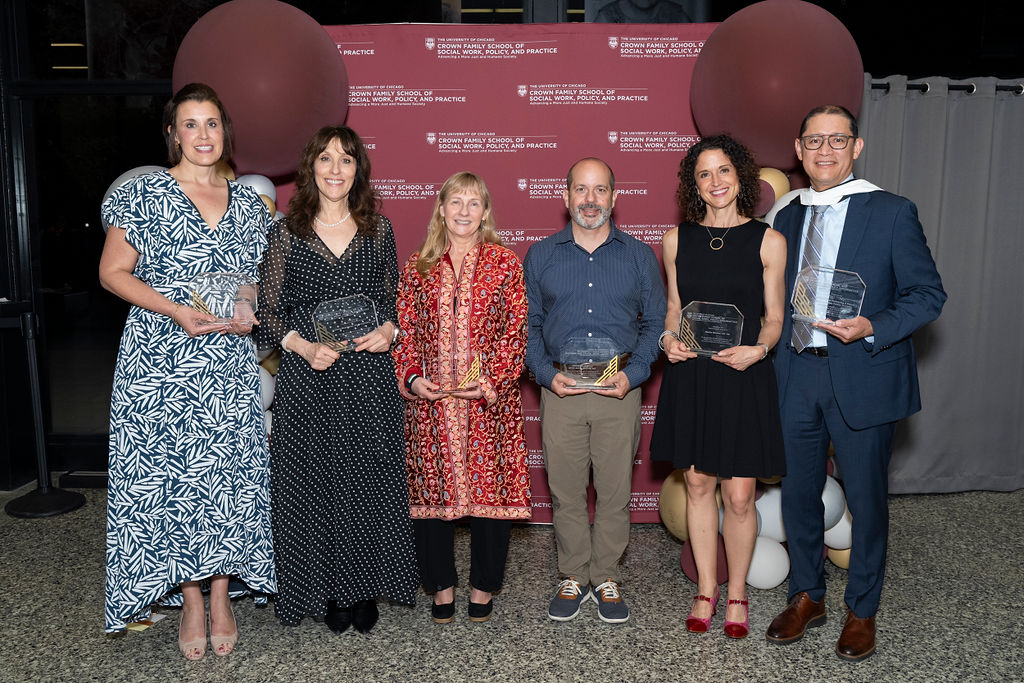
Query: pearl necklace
[{"x": 332, "y": 225}]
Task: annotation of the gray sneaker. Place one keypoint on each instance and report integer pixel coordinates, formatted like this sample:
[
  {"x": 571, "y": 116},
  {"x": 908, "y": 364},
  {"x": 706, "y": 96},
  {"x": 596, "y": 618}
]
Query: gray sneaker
[
  {"x": 610, "y": 605},
  {"x": 569, "y": 597}
]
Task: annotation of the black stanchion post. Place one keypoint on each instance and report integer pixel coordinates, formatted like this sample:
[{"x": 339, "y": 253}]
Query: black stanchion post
[{"x": 46, "y": 500}]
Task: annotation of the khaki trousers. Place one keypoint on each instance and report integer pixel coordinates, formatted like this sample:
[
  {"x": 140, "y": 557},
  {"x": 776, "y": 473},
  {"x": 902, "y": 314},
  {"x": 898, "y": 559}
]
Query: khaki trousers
[{"x": 585, "y": 433}]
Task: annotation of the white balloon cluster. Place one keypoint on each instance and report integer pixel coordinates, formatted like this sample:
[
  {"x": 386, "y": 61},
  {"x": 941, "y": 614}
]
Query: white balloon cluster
[
  {"x": 770, "y": 563},
  {"x": 265, "y": 189}
]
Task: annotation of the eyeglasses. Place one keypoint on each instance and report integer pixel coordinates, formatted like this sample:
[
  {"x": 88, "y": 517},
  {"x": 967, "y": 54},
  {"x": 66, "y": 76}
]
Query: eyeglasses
[{"x": 834, "y": 141}]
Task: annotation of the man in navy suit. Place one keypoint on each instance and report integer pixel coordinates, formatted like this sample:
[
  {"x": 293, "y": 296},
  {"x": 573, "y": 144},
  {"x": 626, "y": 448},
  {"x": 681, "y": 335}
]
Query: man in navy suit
[{"x": 848, "y": 381}]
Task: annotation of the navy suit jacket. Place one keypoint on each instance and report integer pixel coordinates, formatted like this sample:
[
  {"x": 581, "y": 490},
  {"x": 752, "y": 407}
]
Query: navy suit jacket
[{"x": 884, "y": 243}]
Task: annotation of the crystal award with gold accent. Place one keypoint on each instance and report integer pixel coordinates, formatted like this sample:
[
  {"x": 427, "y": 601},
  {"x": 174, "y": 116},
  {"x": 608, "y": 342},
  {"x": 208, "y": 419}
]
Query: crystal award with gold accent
[
  {"x": 591, "y": 361},
  {"x": 338, "y": 321},
  {"x": 827, "y": 294},
  {"x": 231, "y": 297},
  {"x": 453, "y": 372},
  {"x": 707, "y": 327}
]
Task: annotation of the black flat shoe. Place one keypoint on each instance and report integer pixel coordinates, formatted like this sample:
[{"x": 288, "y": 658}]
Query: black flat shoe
[
  {"x": 338, "y": 619},
  {"x": 442, "y": 614},
  {"x": 364, "y": 615},
  {"x": 478, "y": 612}
]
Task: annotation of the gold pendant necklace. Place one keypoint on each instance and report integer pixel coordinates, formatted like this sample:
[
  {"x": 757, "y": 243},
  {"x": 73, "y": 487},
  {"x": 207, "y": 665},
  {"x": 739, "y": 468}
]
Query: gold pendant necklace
[{"x": 719, "y": 240}]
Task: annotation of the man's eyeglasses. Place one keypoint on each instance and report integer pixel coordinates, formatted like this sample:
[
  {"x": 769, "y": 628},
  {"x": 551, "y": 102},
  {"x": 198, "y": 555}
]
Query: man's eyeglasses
[{"x": 834, "y": 141}]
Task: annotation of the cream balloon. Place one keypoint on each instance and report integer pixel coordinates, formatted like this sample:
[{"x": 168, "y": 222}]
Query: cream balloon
[
  {"x": 776, "y": 178},
  {"x": 672, "y": 504},
  {"x": 840, "y": 558}
]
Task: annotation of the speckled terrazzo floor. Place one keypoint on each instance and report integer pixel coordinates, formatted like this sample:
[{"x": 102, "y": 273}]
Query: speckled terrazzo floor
[{"x": 951, "y": 611}]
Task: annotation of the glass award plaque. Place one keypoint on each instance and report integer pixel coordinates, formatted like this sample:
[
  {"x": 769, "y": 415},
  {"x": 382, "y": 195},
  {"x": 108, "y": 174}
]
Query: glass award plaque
[
  {"x": 591, "y": 361},
  {"x": 338, "y": 321},
  {"x": 844, "y": 289},
  {"x": 453, "y": 372},
  {"x": 707, "y": 327},
  {"x": 231, "y": 297}
]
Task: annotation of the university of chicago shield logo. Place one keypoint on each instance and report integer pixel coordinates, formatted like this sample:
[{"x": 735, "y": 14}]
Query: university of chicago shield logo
[
  {"x": 613, "y": 136},
  {"x": 521, "y": 184},
  {"x": 429, "y": 42},
  {"x": 613, "y": 42},
  {"x": 431, "y": 138},
  {"x": 521, "y": 90}
]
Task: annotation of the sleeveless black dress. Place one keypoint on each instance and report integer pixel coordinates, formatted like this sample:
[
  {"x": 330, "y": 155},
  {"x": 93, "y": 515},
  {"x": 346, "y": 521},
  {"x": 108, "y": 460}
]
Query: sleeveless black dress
[{"x": 720, "y": 420}]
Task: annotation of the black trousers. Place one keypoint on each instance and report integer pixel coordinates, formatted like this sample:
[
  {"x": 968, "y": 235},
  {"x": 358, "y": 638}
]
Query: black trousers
[{"x": 435, "y": 552}]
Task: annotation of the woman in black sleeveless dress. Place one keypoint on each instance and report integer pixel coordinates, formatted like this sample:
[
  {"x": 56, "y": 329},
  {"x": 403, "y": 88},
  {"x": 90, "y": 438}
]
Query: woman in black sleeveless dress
[{"x": 718, "y": 416}]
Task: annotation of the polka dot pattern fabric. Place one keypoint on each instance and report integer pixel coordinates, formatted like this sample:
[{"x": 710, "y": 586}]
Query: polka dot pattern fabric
[{"x": 338, "y": 494}]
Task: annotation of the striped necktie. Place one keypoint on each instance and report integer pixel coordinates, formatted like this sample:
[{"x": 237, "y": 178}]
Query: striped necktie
[{"x": 803, "y": 332}]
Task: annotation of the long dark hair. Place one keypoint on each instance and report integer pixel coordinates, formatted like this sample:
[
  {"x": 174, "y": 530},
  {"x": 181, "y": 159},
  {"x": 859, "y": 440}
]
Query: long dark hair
[
  {"x": 747, "y": 171},
  {"x": 363, "y": 201},
  {"x": 195, "y": 92}
]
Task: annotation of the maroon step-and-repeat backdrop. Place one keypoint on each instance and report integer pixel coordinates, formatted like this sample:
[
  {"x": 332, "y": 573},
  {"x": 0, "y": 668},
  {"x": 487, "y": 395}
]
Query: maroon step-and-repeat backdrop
[{"x": 518, "y": 104}]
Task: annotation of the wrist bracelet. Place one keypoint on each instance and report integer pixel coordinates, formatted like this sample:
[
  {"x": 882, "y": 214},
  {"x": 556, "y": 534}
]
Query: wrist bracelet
[
  {"x": 410, "y": 381},
  {"x": 661, "y": 338},
  {"x": 765, "y": 349},
  {"x": 175, "y": 313}
]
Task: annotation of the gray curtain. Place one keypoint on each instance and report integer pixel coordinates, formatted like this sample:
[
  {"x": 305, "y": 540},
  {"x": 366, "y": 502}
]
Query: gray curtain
[{"x": 960, "y": 158}]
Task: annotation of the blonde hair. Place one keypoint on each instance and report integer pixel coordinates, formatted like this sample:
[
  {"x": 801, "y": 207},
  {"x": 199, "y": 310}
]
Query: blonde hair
[{"x": 436, "y": 243}]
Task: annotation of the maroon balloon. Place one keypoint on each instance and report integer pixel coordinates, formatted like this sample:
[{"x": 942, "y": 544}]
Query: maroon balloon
[
  {"x": 766, "y": 200},
  {"x": 689, "y": 565},
  {"x": 278, "y": 72},
  {"x": 765, "y": 67}
]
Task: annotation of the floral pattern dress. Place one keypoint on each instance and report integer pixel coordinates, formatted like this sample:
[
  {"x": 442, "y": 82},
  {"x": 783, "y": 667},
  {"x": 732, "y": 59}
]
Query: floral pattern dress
[
  {"x": 466, "y": 457},
  {"x": 189, "y": 478}
]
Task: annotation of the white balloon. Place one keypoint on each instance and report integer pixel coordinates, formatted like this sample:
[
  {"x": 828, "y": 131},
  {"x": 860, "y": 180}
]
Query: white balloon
[
  {"x": 266, "y": 387},
  {"x": 835, "y": 467},
  {"x": 769, "y": 565},
  {"x": 261, "y": 184},
  {"x": 124, "y": 178},
  {"x": 780, "y": 203},
  {"x": 268, "y": 418},
  {"x": 834, "y": 500},
  {"x": 840, "y": 536},
  {"x": 769, "y": 505}
]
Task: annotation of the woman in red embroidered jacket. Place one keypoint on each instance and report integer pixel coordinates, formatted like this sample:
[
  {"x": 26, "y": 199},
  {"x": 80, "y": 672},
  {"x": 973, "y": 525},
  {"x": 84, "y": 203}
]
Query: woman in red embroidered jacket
[{"x": 462, "y": 315}]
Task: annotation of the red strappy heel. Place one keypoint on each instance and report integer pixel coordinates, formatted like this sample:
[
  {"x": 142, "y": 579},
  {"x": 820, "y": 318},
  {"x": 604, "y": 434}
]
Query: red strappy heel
[
  {"x": 697, "y": 624},
  {"x": 738, "y": 629}
]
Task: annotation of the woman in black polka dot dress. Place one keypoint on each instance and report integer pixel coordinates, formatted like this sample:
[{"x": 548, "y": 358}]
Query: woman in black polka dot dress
[{"x": 342, "y": 534}]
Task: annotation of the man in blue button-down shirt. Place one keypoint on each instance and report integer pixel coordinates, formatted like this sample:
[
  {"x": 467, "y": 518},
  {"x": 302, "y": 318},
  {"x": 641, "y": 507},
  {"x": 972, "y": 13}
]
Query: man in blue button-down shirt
[{"x": 591, "y": 281}]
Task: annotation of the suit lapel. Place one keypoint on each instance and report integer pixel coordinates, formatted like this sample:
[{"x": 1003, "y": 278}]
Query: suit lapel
[
  {"x": 792, "y": 230},
  {"x": 854, "y": 229}
]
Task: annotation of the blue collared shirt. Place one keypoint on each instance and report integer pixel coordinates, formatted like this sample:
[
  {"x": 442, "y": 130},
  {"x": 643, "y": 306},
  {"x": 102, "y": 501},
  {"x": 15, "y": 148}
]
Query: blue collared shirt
[{"x": 615, "y": 293}]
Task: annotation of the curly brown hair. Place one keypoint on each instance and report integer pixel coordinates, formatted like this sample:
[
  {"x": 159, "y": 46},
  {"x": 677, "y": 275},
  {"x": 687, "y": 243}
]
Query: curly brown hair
[
  {"x": 747, "y": 171},
  {"x": 363, "y": 200}
]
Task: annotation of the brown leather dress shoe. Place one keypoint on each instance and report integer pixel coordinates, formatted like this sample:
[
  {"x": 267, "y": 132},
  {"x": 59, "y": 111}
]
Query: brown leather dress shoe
[
  {"x": 857, "y": 640},
  {"x": 800, "y": 614}
]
